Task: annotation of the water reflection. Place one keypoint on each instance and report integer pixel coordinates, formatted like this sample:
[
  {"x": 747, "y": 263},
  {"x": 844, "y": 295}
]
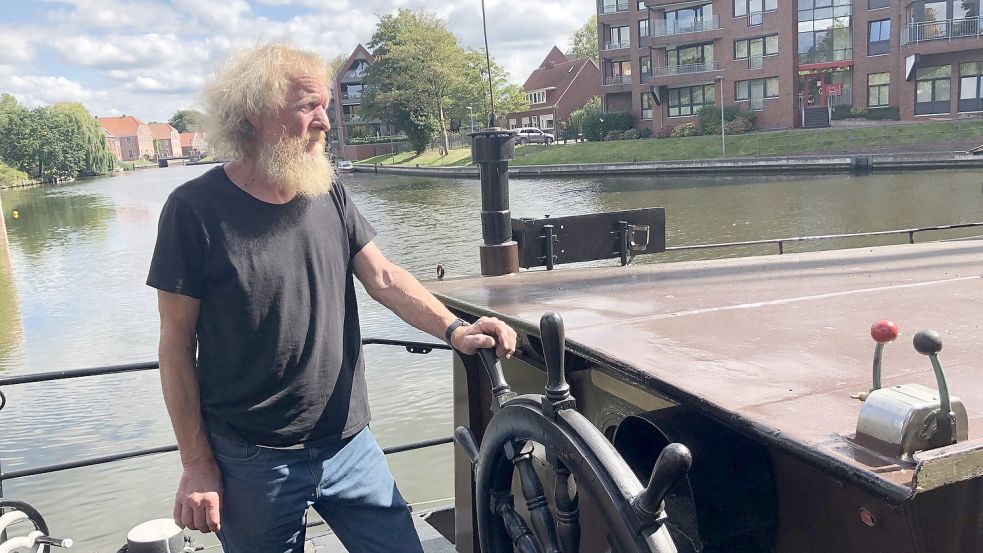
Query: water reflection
[{"x": 72, "y": 295}]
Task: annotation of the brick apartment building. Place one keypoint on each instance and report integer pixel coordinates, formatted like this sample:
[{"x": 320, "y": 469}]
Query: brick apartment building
[
  {"x": 789, "y": 60},
  {"x": 349, "y": 125}
]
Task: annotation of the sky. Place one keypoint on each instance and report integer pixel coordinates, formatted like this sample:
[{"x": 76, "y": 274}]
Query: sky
[{"x": 149, "y": 58}]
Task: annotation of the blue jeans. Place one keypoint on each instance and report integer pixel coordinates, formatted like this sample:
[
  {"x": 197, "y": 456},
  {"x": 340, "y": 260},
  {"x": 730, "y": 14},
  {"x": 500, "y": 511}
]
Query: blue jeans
[{"x": 268, "y": 491}]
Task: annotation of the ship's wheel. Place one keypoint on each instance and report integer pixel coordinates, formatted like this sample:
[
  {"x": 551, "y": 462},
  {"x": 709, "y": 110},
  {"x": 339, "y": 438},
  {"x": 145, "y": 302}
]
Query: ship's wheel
[{"x": 546, "y": 430}]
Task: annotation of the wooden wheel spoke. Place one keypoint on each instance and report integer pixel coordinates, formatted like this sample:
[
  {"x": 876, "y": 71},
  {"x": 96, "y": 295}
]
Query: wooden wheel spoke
[
  {"x": 567, "y": 510},
  {"x": 516, "y": 528},
  {"x": 536, "y": 503}
]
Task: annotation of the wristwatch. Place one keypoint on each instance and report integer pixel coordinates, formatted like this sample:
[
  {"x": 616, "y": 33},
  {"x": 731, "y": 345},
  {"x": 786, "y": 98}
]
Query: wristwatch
[{"x": 451, "y": 328}]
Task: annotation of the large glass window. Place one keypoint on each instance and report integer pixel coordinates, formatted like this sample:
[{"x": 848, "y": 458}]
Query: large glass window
[
  {"x": 756, "y": 47},
  {"x": 643, "y": 28},
  {"x": 645, "y": 66},
  {"x": 878, "y": 37},
  {"x": 878, "y": 89},
  {"x": 932, "y": 89},
  {"x": 744, "y": 7},
  {"x": 620, "y": 69},
  {"x": 618, "y": 37},
  {"x": 689, "y": 20},
  {"x": 691, "y": 55},
  {"x": 971, "y": 86},
  {"x": 647, "y": 105},
  {"x": 688, "y": 100},
  {"x": 825, "y": 33}
]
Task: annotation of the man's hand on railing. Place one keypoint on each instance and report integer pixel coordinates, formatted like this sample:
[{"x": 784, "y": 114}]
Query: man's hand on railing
[{"x": 199, "y": 498}]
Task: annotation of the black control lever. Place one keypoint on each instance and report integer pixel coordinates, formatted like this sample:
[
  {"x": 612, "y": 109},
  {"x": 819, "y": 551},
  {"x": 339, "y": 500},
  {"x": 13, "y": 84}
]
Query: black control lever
[
  {"x": 501, "y": 392},
  {"x": 465, "y": 439},
  {"x": 673, "y": 463},
  {"x": 554, "y": 352}
]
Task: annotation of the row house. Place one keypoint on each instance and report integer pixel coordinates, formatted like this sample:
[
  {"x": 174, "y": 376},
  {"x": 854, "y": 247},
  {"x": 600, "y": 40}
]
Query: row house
[
  {"x": 135, "y": 138},
  {"x": 193, "y": 144},
  {"x": 790, "y": 62},
  {"x": 555, "y": 89},
  {"x": 167, "y": 141}
]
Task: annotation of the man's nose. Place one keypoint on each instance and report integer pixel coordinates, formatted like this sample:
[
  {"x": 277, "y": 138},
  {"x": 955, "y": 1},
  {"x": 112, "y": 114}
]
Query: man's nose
[{"x": 321, "y": 118}]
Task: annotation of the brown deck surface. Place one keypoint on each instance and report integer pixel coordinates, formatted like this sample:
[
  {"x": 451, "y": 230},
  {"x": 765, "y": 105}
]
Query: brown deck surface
[{"x": 779, "y": 341}]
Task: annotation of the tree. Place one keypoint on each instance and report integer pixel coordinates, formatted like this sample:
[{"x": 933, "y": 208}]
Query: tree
[
  {"x": 584, "y": 42},
  {"x": 187, "y": 120},
  {"x": 509, "y": 98},
  {"x": 97, "y": 159},
  {"x": 419, "y": 67},
  {"x": 575, "y": 123}
]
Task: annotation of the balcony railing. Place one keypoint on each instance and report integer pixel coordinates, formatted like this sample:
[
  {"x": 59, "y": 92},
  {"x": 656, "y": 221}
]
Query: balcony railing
[
  {"x": 605, "y": 8},
  {"x": 826, "y": 56},
  {"x": 620, "y": 79},
  {"x": 947, "y": 29},
  {"x": 617, "y": 44},
  {"x": 686, "y": 69},
  {"x": 662, "y": 27}
]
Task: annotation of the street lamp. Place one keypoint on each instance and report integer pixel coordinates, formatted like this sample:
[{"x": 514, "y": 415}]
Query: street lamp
[
  {"x": 723, "y": 140},
  {"x": 471, "y": 114}
]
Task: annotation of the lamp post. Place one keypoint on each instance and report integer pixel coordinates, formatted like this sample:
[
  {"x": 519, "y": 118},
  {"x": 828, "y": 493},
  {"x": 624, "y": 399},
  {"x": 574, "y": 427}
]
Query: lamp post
[
  {"x": 723, "y": 140},
  {"x": 471, "y": 114}
]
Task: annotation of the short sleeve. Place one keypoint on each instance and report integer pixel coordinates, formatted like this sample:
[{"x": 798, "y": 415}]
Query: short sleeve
[
  {"x": 178, "y": 264},
  {"x": 360, "y": 231}
]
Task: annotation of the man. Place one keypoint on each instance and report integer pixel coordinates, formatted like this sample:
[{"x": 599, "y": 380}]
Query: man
[{"x": 254, "y": 267}]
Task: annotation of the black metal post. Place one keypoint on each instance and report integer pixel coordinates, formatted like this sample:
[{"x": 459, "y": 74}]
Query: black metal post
[{"x": 491, "y": 150}]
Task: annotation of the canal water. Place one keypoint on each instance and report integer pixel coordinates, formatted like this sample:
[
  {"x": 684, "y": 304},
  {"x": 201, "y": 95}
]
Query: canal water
[{"x": 72, "y": 295}]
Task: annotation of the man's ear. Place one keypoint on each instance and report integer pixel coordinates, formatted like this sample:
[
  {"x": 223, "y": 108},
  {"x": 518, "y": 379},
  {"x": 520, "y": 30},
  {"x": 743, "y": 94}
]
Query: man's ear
[{"x": 254, "y": 121}]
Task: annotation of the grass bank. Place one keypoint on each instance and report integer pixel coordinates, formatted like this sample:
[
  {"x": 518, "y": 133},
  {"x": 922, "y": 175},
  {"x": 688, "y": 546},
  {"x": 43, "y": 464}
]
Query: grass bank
[{"x": 888, "y": 138}]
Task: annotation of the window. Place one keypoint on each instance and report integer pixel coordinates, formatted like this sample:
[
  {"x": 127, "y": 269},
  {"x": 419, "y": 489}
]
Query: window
[
  {"x": 618, "y": 38},
  {"x": 691, "y": 55},
  {"x": 537, "y": 97},
  {"x": 744, "y": 7},
  {"x": 641, "y": 6},
  {"x": 874, "y": 4},
  {"x": 689, "y": 20},
  {"x": 878, "y": 89},
  {"x": 619, "y": 72},
  {"x": 756, "y": 90},
  {"x": 756, "y": 47},
  {"x": 825, "y": 33},
  {"x": 932, "y": 89},
  {"x": 645, "y": 65},
  {"x": 129, "y": 139},
  {"x": 357, "y": 69},
  {"x": 690, "y": 99},
  {"x": 646, "y": 105},
  {"x": 971, "y": 86},
  {"x": 643, "y": 28},
  {"x": 878, "y": 37}
]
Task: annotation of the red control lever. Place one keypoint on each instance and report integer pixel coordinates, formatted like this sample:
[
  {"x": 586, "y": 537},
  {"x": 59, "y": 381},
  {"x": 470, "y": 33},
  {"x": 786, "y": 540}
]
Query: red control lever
[{"x": 883, "y": 331}]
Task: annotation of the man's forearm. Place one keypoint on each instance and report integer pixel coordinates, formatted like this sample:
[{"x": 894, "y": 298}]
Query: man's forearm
[
  {"x": 402, "y": 293},
  {"x": 180, "y": 387}
]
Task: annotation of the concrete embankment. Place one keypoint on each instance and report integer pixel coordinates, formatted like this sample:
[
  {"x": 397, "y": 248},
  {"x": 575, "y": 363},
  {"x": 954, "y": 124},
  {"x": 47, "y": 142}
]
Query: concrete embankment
[{"x": 854, "y": 163}]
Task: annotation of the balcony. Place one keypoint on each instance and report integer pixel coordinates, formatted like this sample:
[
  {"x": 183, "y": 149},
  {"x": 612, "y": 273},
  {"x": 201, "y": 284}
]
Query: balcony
[
  {"x": 617, "y": 45},
  {"x": 688, "y": 69},
  {"x": 616, "y": 80},
  {"x": 666, "y": 33},
  {"x": 353, "y": 77},
  {"x": 351, "y": 99},
  {"x": 947, "y": 29},
  {"x": 826, "y": 56},
  {"x": 605, "y": 8}
]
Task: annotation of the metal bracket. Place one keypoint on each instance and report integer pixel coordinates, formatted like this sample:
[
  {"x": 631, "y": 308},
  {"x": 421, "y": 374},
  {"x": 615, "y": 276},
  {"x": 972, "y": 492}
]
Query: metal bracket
[
  {"x": 549, "y": 248},
  {"x": 628, "y": 245}
]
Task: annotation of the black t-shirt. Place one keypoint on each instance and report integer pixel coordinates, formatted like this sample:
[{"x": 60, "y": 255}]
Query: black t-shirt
[{"x": 279, "y": 348}]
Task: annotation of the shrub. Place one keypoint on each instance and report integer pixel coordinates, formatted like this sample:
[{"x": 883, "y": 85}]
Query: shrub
[
  {"x": 709, "y": 117},
  {"x": 739, "y": 125},
  {"x": 858, "y": 111},
  {"x": 645, "y": 133},
  {"x": 612, "y": 135},
  {"x": 10, "y": 176},
  {"x": 885, "y": 113},
  {"x": 596, "y": 126},
  {"x": 686, "y": 129},
  {"x": 861, "y": 112},
  {"x": 841, "y": 112},
  {"x": 665, "y": 132}
]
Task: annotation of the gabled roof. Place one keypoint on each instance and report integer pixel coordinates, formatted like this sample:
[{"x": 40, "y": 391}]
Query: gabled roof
[
  {"x": 555, "y": 57},
  {"x": 358, "y": 53},
  {"x": 187, "y": 139},
  {"x": 557, "y": 76},
  {"x": 161, "y": 131},
  {"x": 124, "y": 125}
]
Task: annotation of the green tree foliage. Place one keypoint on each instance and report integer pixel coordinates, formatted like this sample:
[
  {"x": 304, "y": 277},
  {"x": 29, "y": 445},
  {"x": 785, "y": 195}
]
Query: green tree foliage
[
  {"x": 575, "y": 123},
  {"x": 186, "y": 120},
  {"x": 54, "y": 142},
  {"x": 509, "y": 97},
  {"x": 418, "y": 71},
  {"x": 584, "y": 42},
  {"x": 596, "y": 126},
  {"x": 334, "y": 64}
]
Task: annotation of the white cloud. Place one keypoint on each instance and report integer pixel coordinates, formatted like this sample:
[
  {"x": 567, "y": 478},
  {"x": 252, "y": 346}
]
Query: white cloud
[
  {"x": 34, "y": 90},
  {"x": 15, "y": 46}
]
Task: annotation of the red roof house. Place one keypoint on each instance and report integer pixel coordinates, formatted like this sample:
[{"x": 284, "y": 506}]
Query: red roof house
[{"x": 555, "y": 89}]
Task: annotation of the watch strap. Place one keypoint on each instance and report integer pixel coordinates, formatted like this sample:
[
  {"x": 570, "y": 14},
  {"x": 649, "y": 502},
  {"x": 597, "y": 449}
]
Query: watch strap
[{"x": 452, "y": 327}]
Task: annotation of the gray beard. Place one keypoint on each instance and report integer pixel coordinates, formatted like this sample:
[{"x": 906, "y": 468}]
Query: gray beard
[{"x": 289, "y": 167}]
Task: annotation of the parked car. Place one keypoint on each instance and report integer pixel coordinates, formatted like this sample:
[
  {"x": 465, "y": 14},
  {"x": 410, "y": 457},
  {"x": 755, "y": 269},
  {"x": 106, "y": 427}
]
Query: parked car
[
  {"x": 345, "y": 166},
  {"x": 532, "y": 135}
]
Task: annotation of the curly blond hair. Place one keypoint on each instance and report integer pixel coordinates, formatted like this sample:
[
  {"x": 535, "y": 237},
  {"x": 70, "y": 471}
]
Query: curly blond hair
[{"x": 252, "y": 82}]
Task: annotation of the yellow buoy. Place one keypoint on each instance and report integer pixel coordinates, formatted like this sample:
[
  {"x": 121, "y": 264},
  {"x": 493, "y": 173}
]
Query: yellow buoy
[{"x": 15, "y": 214}]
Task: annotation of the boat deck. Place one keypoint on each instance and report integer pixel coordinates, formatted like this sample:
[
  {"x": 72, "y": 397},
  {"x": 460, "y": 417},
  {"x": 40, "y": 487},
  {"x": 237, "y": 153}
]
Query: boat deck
[
  {"x": 322, "y": 540},
  {"x": 774, "y": 344}
]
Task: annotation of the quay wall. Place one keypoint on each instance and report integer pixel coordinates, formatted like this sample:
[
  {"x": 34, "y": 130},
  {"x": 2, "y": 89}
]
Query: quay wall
[{"x": 856, "y": 163}]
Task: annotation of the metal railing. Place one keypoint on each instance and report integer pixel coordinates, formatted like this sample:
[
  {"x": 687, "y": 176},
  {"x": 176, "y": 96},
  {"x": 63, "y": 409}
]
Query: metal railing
[
  {"x": 621, "y": 79},
  {"x": 605, "y": 8},
  {"x": 686, "y": 69},
  {"x": 661, "y": 27},
  {"x": 410, "y": 346},
  {"x": 617, "y": 44},
  {"x": 780, "y": 242},
  {"x": 826, "y": 56},
  {"x": 946, "y": 29}
]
